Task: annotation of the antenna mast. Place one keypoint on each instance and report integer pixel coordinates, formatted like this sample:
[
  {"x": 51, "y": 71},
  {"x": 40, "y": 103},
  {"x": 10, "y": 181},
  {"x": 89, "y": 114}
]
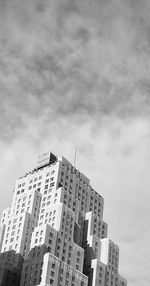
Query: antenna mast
[{"x": 75, "y": 156}]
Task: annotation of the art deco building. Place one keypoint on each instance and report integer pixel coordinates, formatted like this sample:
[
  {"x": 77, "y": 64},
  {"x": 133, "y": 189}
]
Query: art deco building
[{"x": 54, "y": 233}]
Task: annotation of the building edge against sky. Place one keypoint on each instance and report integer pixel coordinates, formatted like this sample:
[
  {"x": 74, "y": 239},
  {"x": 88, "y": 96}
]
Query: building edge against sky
[{"x": 54, "y": 232}]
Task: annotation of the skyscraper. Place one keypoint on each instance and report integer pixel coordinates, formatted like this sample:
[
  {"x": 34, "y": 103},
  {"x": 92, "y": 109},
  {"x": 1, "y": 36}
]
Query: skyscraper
[{"x": 54, "y": 233}]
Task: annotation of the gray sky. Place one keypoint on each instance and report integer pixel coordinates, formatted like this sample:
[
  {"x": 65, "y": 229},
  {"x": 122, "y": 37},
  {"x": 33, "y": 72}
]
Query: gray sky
[{"x": 77, "y": 73}]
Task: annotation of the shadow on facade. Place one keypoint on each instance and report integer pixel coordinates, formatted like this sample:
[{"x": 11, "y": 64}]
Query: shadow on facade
[{"x": 10, "y": 268}]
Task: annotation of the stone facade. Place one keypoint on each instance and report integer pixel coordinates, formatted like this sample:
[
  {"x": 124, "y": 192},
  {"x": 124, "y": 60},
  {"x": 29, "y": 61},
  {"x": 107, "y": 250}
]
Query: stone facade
[{"x": 56, "y": 224}]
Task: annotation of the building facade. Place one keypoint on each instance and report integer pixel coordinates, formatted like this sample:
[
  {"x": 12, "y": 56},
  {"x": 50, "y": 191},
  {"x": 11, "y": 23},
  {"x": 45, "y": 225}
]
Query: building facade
[{"x": 55, "y": 224}]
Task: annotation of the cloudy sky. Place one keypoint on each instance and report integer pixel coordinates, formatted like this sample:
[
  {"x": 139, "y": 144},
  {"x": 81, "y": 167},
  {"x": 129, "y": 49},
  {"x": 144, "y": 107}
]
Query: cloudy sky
[{"x": 77, "y": 73}]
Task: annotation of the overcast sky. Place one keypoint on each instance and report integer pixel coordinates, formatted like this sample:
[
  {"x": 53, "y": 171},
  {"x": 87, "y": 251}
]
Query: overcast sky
[{"x": 77, "y": 73}]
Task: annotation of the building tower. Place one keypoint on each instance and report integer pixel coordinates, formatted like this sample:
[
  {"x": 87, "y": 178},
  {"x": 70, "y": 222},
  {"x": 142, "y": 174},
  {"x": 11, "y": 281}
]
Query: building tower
[{"x": 54, "y": 233}]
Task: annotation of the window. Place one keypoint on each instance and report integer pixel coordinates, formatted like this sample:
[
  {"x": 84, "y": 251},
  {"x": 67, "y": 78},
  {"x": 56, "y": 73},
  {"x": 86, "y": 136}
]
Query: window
[
  {"x": 78, "y": 253},
  {"x": 73, "y": 278}
]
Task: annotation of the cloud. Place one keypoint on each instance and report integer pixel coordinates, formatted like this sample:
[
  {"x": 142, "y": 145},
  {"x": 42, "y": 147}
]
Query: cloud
[
  {"x": 115, "y": 156},
  {"x": 76, "y": 73},
  {"x": 73, "y": 57}
]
